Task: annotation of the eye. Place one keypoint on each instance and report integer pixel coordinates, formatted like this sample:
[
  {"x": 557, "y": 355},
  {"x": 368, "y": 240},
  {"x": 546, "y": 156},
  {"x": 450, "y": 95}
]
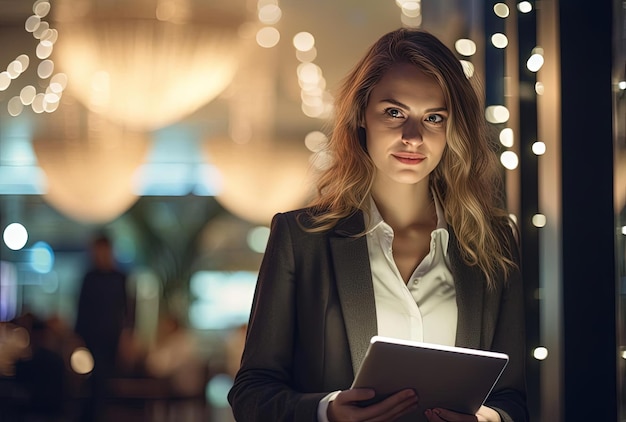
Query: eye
[
  {"x": 394, "y": 113},
  {"x": 435, "y": 119}
]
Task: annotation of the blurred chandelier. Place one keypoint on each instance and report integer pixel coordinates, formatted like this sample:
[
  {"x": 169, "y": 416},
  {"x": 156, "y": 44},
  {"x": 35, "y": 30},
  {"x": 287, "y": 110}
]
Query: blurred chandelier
[
  {"x": 88, "y": 162},
  {"x": 145, "y": 64},
  {"x": 260, "y": 178}
]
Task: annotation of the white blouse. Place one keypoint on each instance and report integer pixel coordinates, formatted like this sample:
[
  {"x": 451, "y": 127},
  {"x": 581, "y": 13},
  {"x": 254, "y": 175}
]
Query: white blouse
[{"x": 425, "y": 308}]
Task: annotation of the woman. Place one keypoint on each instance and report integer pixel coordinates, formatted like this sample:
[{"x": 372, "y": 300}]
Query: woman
[{"x": 407, "y": 238}]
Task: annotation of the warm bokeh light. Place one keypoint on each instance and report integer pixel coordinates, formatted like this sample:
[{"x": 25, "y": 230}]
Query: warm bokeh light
[
  {"x": 32, "y": 23},
  {"x": 268, "y": 37},
  {"x": 501, "y": 10},
  {"x": 306, "y": 56},
  {"x": 81, "y": 361},
  {"x": 14, "y": 69},
  {"x": 309, "y": 74},
  {"x": 41, "y": 8},
  {"x": 465, "y": 47},
  {"x": 315, "y": 140},
  {"x": 539, "y": 148},
  {"x": 45, "y": 69},
  {"x": 535, "y": 62},
  {"x": 27, "y": 94},
  {"x": 5, "y": 80},
  {"x": 24, "y": 60},
  {"x": 509, "y": 160},
  {"x": 497, "y": 114},
  {"x": 316, "y": 101},
  {"x": 411, "y": 22},
  {"x": 15, "y": 106},
  {"x": 15, "y": 236},
  {"x": 524, "y": 6},
  {"x": 270, "y": 14},
  {"x": 507, "y": 137},
  {"x": 540, "y": 353},
  {"x": 539, "y": 88},
  {"x": 303, "y": 41},
  {"x": 499, "y": 40},
  {"x": 539, "y": 220},
  {"x": 412, "y": 9}
]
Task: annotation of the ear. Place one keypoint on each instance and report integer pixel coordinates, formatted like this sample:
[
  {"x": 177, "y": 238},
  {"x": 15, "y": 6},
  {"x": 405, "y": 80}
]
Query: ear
[{"x": 362, "y": 138}]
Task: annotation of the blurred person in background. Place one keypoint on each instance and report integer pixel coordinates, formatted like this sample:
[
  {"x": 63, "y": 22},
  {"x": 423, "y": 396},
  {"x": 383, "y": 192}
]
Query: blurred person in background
[{"x": 103, "y": 314}]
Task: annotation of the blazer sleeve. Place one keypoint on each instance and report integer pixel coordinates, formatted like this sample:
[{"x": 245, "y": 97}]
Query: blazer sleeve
[
  {"x": 262, "y": 389},
  {"x": 509, "y": 394}
]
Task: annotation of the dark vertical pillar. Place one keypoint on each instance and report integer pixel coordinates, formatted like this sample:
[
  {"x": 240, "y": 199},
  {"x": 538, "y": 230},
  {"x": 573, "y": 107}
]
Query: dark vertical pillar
[
  {"x": 589, "y": 277},
  {"x": 494, "y": 57},
  {"x": 529, "y": 202}
]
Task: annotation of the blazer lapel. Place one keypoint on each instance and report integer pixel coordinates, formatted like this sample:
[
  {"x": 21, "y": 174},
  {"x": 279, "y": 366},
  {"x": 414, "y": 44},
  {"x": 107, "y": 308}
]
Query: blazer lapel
[{"x": 354, "y": 285}]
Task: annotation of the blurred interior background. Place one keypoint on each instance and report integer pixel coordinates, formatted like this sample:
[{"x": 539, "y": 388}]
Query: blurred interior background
[{"x": 179, "y": 127}]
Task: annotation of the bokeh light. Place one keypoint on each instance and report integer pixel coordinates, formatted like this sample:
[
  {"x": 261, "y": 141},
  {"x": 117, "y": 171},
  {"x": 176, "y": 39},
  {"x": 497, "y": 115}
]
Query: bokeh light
[
  {"x": 257, "y": 238},
  {"x": 540, "y": 353},
  {"x": 268, "y": 37},
  {"x": 81, "y": 361},
  {"x": 509, "y": 160},
  {"x": 15, "y": 236},
  {"x": 41, "y": 257},
  {"x": 539, "y": 220}
]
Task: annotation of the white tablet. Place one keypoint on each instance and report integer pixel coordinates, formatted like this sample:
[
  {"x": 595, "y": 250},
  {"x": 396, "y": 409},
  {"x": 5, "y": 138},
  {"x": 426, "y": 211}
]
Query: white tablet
[{"x": 454, "y": 378}]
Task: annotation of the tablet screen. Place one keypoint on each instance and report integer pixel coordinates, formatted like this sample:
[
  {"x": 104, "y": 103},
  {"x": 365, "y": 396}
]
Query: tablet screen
[{"x": 449, "y": 377}]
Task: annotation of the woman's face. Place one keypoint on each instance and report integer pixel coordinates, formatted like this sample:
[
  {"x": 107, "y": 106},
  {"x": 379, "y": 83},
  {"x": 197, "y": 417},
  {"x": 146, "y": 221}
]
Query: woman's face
[{"x": 405, "y": 124}]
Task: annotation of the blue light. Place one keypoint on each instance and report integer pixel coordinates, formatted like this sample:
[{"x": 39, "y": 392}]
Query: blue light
[
  {"x": 221, "y": 299},
  {"x": 42, "y": 257}
]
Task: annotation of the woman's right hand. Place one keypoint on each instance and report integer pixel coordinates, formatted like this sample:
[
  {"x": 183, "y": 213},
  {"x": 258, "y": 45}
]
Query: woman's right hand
[{"x": 345, "y": 406}]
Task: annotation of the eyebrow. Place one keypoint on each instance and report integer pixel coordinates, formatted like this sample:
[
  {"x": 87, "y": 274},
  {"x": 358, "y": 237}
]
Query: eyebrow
[{"x": 399, "y": 104}]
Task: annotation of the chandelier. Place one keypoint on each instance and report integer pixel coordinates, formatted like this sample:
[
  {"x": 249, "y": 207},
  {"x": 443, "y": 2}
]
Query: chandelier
[
  {"x": 148, "y": 63},
  {"x": 89, "y": 163}
]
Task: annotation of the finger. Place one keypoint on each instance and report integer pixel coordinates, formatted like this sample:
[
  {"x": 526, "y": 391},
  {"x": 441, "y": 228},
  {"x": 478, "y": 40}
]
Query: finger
[
  {"x": 402, "y": 409},
  {"x": 450, "y": 416},
  {"x": 347, "y": 405},
  {"x": 432, "y": 416},
  {"x": 354, "y": 395},
  {"x": 392, "y": 407}
]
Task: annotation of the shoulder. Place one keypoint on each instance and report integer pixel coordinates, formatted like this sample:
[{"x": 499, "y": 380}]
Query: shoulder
[
  {"x": 307, "y": 219},
  {"x": 302, "y": 218}
]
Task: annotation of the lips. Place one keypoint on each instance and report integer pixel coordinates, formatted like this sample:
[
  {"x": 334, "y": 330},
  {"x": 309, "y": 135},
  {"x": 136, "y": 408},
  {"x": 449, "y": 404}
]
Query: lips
[{"x": 409, "y": 158}]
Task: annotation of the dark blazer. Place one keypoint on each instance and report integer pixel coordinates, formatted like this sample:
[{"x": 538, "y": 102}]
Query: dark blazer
[{"x": 314, "y": 313}]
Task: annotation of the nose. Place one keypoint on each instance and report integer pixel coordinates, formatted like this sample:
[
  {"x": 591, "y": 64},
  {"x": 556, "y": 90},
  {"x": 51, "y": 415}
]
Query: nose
[{"x": 411, "y": 133}]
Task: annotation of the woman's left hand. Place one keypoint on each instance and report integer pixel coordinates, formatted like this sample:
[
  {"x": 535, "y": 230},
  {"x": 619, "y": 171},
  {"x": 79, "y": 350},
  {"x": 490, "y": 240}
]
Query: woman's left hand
[{"x": 484, "y": 414}]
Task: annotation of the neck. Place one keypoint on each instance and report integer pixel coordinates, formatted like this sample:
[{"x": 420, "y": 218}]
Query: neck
[{"x": 403, "y": 206}]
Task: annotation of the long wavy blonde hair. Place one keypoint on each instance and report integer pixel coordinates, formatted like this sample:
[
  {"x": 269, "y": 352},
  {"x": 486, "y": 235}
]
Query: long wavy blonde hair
[{"x": 467, "y": 181}]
